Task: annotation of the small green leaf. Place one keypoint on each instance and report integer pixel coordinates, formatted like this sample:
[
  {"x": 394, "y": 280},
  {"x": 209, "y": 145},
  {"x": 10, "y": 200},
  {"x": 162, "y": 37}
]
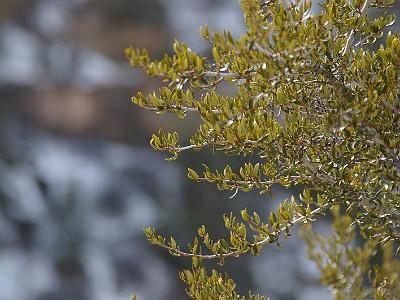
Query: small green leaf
[{"x": 193, "y": 175}]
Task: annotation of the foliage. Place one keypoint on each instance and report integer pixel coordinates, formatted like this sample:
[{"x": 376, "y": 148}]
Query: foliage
[
  {"x": 347, "y": 268},
  {"x": 318, "y": 109}
]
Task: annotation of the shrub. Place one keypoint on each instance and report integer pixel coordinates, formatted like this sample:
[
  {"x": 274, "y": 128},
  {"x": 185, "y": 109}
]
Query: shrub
[{"x": 318, "y": 109}]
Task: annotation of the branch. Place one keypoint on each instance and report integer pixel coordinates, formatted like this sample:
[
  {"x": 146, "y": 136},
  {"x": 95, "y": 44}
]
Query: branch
[
  {"x": 237, "y": 253},
  {"x": 351, "y": 33},
  {"x": 178, "y": 107},
  {"x": 288, "y": 12},
  {"x": 274, "y": 56},
  {"x": 236, "y": 183}
]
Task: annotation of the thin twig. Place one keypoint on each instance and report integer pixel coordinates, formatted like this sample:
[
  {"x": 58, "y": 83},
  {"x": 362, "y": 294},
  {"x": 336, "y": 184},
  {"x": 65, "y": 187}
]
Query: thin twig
[
  {"x": 351, "y": 33},
  {"x": 288, "y": 12},
  {"x": 178, "y": 107},
  {"x": 265, "y": 51},
  {"x": 237, "y": 253}
]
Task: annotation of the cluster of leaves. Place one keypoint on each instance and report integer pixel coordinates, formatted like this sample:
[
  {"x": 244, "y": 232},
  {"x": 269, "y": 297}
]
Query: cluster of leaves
[
  {"x": 214, "y": 286},
  {"x": 314, "y": 106},
  {"x": 354, "y": 272}
]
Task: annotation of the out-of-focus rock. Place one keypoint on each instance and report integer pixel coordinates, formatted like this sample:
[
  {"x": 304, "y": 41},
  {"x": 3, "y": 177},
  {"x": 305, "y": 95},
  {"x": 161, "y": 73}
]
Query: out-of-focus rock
[{"x": 85, "y": 205}]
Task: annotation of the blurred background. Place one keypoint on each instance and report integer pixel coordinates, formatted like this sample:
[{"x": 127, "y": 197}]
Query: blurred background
[{"x": 78, "y": 179}]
